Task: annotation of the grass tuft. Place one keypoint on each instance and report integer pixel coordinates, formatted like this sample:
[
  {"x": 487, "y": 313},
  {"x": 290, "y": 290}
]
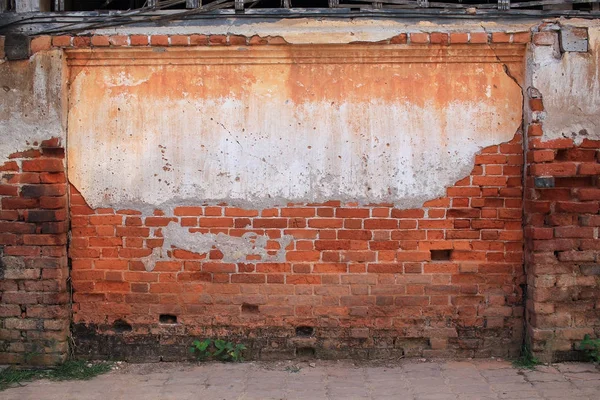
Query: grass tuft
[
  {"x": 78, "y": 370},
  {"x": 10, "y": 377},
  {"x": 70, "y": 370}
]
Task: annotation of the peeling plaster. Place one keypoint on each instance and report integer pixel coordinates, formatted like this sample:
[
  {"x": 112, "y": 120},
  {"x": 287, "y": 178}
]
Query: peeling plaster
[
  {"x": 570, "y": 87},
  {"x": 32, "y": 106},
  {"x": 234, "y": 249},
  {"x": 320, "y": 31},
  {"x": 265, "y": 134}
]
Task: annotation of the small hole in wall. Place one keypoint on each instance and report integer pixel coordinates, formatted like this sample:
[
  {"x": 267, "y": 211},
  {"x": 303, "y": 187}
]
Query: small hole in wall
[
  {"x": 121, "y": 326},
  {"x": 440, "y": 255},
  {"x": 305, "y": 352},
  {"x": 167, "y": 319},
  {"x": 305, "y": 331},
  {"x": 249, "y": 309}
]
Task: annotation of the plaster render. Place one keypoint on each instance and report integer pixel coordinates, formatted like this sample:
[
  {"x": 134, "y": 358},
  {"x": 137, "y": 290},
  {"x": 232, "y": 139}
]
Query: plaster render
[
  {"x": 32, "y": 106},
  {"x": 298, "y": 125},
  {"x": 234, "y": 249},
  {"x": 317, "y": 30},
  {"x": 570, "y": 86}
]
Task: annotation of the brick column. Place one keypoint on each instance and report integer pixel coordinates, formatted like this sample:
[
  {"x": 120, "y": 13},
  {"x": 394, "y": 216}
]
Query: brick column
[
  {"x": 561, "y": 235},
  {"x": 34, "y": 310}
]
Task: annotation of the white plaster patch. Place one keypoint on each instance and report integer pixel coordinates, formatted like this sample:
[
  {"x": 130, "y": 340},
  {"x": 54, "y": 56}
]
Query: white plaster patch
[
  {"x": 570, "y": 86},
  {"x": 30, "y": 110},
  {"x": 234, "y": 249}
]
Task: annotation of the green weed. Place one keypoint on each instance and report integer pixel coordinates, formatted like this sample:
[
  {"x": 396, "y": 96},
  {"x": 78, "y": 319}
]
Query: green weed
[
  {"x": 218, "y": 349},
  {"x": 70, "y": 370},
  {"x": 591, "y": 347},
  {"x": 527, "y": 359}
]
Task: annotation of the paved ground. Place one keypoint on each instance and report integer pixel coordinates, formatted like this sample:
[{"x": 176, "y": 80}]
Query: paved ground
[{"x": 409, "y": 379}]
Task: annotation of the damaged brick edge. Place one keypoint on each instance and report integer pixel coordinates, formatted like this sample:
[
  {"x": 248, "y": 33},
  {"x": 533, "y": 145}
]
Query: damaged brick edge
[{"x": 46, "y": 42}]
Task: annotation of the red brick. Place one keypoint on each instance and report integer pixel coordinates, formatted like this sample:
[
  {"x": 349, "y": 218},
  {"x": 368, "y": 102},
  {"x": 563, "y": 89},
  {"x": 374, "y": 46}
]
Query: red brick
[
  {"x": 439, "y": 38},
  {"x": 374, "y": 223},
  {"x": 589, "y": 169},
  {"x": 216, "y": 222},
  {"x": 188, "y": 211},
  {"x": 217, "y": 40},
  {"x": 459, "y": 38},
  {"x": 257, "y": 40},
  {"x": 500, "y": 37},
  {"x": 478, "y": 37},
  {"x": 573, "y": 232},
  {"x": 248, "y": 278},
  {"x": 237, "y": 40},
  {"x": 179, "y": 40},
  {"x": 81, "y": 41},
  {"x": 158, "y": 221},
  {"x": 61, "y": 41},
  {"x": 399, "y": 39},
  {"x": 138, "y": 40},
  {"x": 418, "y": 38},
  {"x": 198, "y": 40},
  {"x": 588, "y": 194},
  {"x": 43, "y": 165},
  {"x": 159, "y": 40},
  {"x": 40, "y": 43},
  {"x": 542, "y": 155},
  {"x": 118, "y": 40},
  {"x": 574, "y": 207},
  {"x": 303, "y": 279},
  {"x": 131, "y": 231},
  {"x": 100, "y": 41},
  {"x": 106, "y": 219},
  {"x": 521, "y": 37}
]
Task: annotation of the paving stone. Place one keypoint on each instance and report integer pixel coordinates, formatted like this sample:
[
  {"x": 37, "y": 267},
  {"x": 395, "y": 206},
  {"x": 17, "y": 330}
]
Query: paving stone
[
  {"x": 407, "y": 380},
  {"x": 577, "y": 367},
  {"x": 536, "y": 376}
]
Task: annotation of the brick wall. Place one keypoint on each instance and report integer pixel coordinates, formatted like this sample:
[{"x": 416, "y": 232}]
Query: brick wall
[
  {"x": 561, "y": 231},
  {"x": 371, "y": 281},
  {"x": 367, "y": 282},
  {"x": 34, "y": 311}
]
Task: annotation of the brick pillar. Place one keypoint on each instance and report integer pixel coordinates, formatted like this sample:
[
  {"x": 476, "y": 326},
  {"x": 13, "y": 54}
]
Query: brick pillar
[
  {"x": 561, "y": 239},
  {"x": 34, "y": 306}
]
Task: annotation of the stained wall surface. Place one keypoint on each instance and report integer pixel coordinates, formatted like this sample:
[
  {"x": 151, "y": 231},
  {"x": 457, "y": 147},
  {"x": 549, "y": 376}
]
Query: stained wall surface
[
  {"x": 370, "y": 194},
  {"x": 257, "y": 127}
]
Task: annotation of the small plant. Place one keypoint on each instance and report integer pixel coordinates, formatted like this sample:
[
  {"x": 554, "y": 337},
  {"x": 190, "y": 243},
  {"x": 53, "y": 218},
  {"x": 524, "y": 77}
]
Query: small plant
[
  {"x": 591, "y": 347},
  {"x": 218, "y": 349},
  {"x": 527, "y": 359},
  {"x": 201, "y": 348}
]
